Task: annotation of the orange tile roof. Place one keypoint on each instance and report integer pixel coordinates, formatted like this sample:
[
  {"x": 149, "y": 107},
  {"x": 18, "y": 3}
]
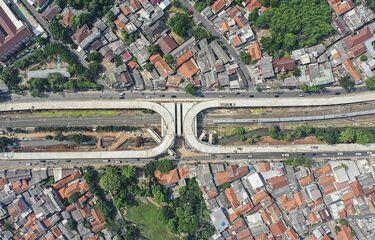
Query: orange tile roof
[
  {"x": 278, "y": 181},
  {"x": 188, "y": 69},
  {"x": 168, "y": 178},
  {"x": 323, "y": 170},
  {"x": 356, "y": 188},
  {"x": 252, "y": 5},
  {"x": 259, "y": 196},
  {"x": 313, "y": 218},
  {"x": 342, "y": 7},
  {"x": 298, "y": 196},
  {"x": 304, "y": 181},
  {"x": 237, "y": 226},
  {"x": 348, "y": 65},
  {"x": 119, "y": 25},
  {"x": 286, "y": 203},
  {"x": 231, "y": 196},
  {"x": 326, "y": 180},
  {"x": 278, "y": 228},
  {"x": 184, "y": 172},
  {"x": 132, "y": 65},
  {"x": 224, "y": 26},
  {"x": 236, "y": 41},
  {"x": 218, "y": 5},
  {"x": 244, "y": 235},
  {"x": 75, "y": 175},
  {"x": 67, "y": 18},
  {"x": 344, "y": 233},
  {"x": 254, "y": 51},
  {"x": 67, "y": 192},
  {"x": 291, "y": 234},
  {"x": 161, "y": 66},
  {"x": 184, "y": 57},
  {"x": 232, "y": 173},
  {"x": 125, "y": 9},
  {"x": 264, "y": 167}
]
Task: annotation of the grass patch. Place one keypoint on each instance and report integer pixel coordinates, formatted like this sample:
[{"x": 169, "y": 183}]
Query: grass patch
[
  {"x": 151, "y": 221},
  {"x": 78, "y": 113}
]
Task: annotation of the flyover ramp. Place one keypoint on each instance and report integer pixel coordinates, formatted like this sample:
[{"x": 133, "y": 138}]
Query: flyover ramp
[
  {"x": 163, "y": 147},
  {"x": 191, "y": 138}
]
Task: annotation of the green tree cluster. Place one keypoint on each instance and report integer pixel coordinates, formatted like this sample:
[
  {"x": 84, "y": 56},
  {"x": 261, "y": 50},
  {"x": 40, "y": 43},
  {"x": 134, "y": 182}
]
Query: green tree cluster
[
  {"x": 181, "y": 24},
  {"x": 188, "y": 214},
  {"x": 346, "y": 83},
  {"x": 190, "y": 89},
  {"x": 355, "y": 135},
  {"x": 163, "y": 165},
  {"x": 202, "y": 4},
  {"x": 370, "y": 83},
  {"x": 299, "y": 161},
  {"x": 245, "y": 57},
  {"x": 295, "y": 24},
  {"x": 4, "y": 143}
]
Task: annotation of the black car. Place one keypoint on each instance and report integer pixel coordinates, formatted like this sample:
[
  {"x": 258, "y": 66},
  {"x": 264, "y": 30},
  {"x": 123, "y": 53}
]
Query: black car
[
  {"x": 276, "y": 96},
  {"x": 173, "y": 96},
  {"x": 251, "y": 96}
]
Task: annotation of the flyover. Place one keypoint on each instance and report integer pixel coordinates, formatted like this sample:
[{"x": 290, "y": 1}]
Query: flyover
[
  {"x": 179, "y": 118},
  {"x": 190, "y": 124},
  {"x": 166, "y": 143}
]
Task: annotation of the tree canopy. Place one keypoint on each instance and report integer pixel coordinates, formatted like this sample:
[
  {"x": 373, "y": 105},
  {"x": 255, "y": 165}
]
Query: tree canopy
[
  {"x": 370, "y": 83},
  {"x": 181, "y": 24},
  {"x": 295, "y": 24}
]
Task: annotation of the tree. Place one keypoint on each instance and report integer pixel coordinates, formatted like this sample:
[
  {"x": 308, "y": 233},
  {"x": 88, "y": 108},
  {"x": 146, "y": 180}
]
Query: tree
[
  {"x": 72, "y": 224},
  {"x": 117, "y": 60},
  {"x": 149, "y": 66},
  {"x": 180, "y": 24},
  {"x": 86, "y": 224},
  {"x": 363, "y": 58},
  {"x": 153, "y": 49},
  {"x": 346, "y": 83},
  {"x": 245, "y": 57},
  {"x": 74, "y": 198},
  {"x": 199, "y": 33},
  {"x": 164, "y": 165},
  {"x": 240, "y": 131},
  {"x": 275, "y": 132},
  {"x": 297, "y": 72},
  {"x": 363, "y": 137},
  {"x": 370, "y": 83},
  {"x": 294, "y": 24},
  {"x": 348, "y": 135},
  {"x": 128, "y": 172},
  {"x": 299, "y": 161},
  {"x": 159, "y": 193},
  {"x": 110, "y": 180},
  {"x": 4, "y": 143},
  {"x": 94, "y": 55},
  {"x": 58, "y": 32},
  {"x": 190, "y": 89},
  {"x": 253, "y": 16},
  {"x": 329, "y": 135},
  {"x": 169, "y": 59},
  {"x": 10, "y": 77}
]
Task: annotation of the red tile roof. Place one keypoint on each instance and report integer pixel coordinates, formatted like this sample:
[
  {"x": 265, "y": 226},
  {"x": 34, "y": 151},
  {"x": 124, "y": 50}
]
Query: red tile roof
[
  {"x": 252, "y": 5},
  {"x": 231, "y": 196},
  {"x": 184, "y": 57},
  {"x": 284, "y": 64},
  {"x": 168, "y": 178},
  {"x": 59, "y": 184},
  {"x": 254, "y": 51},
  {"x": 161, "y": 66},
  {"x": 278, "y": 228},
  {"x": 188, "y": 69},
  {"x": 348, "y": 66},
  {"x": 358, "y": 38},
  {"x": 232, "y": 173},
  {"x": 218, "y": 5},
  {"x": 167, "y": 44}
]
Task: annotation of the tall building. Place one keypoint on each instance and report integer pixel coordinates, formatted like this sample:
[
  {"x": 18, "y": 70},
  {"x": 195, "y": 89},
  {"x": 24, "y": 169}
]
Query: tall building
[{"x": 13, "y": 32}]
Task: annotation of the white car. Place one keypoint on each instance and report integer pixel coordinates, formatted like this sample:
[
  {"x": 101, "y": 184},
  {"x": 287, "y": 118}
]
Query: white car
[
  {"x": 358, "y": 154},
  {"x": 339, "y": 153},
  {"x": 285, "y": 154}
]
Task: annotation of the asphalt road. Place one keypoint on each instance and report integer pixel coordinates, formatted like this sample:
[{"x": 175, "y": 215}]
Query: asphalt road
[
  {"x": 238, "y": 158},
  {"x": 244, "y": 72},
  {"x": 154, "y": 119},
  {"x": 167, "y": 95}
]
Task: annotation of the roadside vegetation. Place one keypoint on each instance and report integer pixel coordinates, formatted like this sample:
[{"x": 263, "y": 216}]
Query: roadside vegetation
[
  {"x": 329, "y": 135},
  {"x": 5, "y": 143}
]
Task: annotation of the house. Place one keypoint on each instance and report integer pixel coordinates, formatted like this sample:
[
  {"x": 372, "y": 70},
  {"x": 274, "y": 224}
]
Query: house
[
  {"x": 219, "y": 220},
  {"x": 154, "y": 31},
  {"x": 50, "y": 12},
  {"x": 283, "y": 64},
  {"x": 349, "y": 67},
  {"x": 232, "y": 173},
  {"x": 161, "y": 66},
  {"x": 184, "y": 57},
  {"x": 67, "y": 17},
  {"x": 255, "y": 51},
  {"x": 167, "y": 44},
  {"x": 219, "y": 52},
  {"x": 14, "y": 33},
  {"x": 341, "y": 6},
  {"x": 266, "y": 68},
  {"x": 188, "y": 69},
  {"x": 360, "y": 37}
]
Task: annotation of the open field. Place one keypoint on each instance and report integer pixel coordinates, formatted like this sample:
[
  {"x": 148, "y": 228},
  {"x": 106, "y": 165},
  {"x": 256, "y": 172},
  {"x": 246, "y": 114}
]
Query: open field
[{"x": 151, "y": 221}]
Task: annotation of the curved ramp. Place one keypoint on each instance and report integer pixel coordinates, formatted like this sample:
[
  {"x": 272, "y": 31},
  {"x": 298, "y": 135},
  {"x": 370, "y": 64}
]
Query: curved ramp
[
  {"x": 163, "y": 147},
  {"x": 192, "y": 141}
]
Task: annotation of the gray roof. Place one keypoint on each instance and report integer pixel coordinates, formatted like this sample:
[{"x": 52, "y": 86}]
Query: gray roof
[
  {"x": 219, "y": 220},
  {"x": 219, "y": 52},
  {"x": 266, "y": 66}
]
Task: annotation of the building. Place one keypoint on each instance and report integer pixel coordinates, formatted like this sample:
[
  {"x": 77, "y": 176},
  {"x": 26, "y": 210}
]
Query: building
[{"x": 13, "y": 32}]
